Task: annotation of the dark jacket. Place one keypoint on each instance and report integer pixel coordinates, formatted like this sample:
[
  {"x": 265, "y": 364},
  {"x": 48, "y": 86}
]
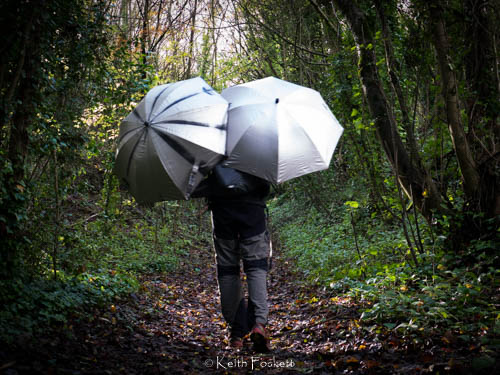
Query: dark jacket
[
  {"x": 237, "y": 201},
  {"x": 225, "y": 186}
]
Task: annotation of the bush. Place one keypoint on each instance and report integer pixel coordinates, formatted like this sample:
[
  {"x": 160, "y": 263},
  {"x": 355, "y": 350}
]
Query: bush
[
  {"x": 29, "y": 307},
  {"x": 97, "y": 262},
  {"x": 440, "y": 292}
]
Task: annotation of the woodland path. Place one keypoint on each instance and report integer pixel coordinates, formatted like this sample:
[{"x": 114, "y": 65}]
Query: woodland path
[{"x": 173, "y": 326}]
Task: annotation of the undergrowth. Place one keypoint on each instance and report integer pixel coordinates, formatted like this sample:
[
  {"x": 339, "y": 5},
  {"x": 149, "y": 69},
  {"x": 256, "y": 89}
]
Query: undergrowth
[
  {"x": 97, "y": 262},
  {"x": 439, "y": 294}
]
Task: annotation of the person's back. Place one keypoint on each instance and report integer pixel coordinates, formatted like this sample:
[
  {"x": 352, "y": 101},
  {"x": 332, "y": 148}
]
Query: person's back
[
  {"x": 226, "y": 185},
  {"x": 237, "y": 202}
]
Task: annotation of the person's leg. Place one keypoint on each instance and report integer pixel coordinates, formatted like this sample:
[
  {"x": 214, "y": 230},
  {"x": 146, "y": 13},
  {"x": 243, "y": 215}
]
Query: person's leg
[
  {"x": 232, "y": 299},
  {"x": 227, "y": 258},
  {"x": 250, "y": 317},
  {"x": 255, "y": 252}
]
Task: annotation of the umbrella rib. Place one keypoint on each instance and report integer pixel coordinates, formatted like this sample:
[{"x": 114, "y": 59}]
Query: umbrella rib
[
  {"x": 136, "y": 113},
  {"x": 194, "y": 123},
  {"x": 172, "y": 104},
  {"x": 144, "y": 131},
  {"x": 176, "y": 146},
  {"x": 308, "y": 137},
  {"x": 127, "y": 132},
  {"x": 154, "y": 102}
]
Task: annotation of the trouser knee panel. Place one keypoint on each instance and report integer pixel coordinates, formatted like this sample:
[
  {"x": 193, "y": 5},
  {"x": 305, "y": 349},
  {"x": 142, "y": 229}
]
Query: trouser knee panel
[
  {"x": 227, "y": 270},
  {"x": 256, "y": 264}
]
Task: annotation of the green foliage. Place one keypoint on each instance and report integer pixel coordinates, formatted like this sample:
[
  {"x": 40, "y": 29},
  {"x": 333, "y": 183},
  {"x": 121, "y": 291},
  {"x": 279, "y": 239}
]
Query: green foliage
[
  {"x": 458, "y": 298},
  {"x": 29, "y": 307},
  {"x": 40, "y": 111},
  {"x": 129, "y": 249},
  {"x": 440, "y": 293},
  {"x": 98, "y": 262},
  {"x": 325, "y": 251}
]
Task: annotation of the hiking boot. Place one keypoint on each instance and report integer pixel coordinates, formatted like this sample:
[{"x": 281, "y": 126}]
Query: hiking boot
[
  {"x": 236, "y": 342},
  {"x": 260, "y": 338}
]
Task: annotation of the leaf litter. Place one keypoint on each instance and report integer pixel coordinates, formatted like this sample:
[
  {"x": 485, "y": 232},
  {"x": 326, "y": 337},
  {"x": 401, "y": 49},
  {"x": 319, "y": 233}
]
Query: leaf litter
[{"x": 173, "y": 325}]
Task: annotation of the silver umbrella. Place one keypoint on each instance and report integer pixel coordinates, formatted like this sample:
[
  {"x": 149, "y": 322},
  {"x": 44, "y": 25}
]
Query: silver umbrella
[
  {"x": 278, "y": 130},
  {"x": 170, "y": 140}
]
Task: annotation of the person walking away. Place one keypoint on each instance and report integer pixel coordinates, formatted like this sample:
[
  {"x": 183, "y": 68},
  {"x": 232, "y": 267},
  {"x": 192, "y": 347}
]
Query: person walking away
[{"x": 237, "y": 201}]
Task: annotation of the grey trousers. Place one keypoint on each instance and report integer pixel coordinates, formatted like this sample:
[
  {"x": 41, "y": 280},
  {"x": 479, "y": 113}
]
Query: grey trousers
[{"x": 254, "y": 252}]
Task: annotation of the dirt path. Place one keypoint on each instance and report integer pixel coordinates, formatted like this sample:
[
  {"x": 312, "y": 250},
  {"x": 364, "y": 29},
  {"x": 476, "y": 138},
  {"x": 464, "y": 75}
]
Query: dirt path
[{"x": 173, "y": 326}]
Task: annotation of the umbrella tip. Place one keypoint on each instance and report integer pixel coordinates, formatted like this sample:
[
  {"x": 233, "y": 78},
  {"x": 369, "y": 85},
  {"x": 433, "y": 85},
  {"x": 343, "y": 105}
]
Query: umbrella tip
[
  {"x": 277, "y": 100},
  {"x": 146, "y": 123}
]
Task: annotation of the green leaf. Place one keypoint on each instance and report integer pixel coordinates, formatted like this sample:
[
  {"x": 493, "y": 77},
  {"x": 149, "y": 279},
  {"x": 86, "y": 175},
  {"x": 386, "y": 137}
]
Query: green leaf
[{"x": 352, "y": 204}]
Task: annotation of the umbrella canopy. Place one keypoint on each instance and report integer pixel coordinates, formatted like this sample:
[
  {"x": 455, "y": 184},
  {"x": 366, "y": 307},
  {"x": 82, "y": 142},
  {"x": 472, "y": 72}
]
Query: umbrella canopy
[
  {"x": 278, "y": 130},
  {"x": 170, "y": 140}
]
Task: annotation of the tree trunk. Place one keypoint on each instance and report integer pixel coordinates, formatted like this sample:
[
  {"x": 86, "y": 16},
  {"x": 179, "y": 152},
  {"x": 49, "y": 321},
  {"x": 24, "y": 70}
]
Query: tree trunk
[
  {"x": 191, "y": 40},
  {"x": 483, "y": 103},
  {"x": 466, "y": 161},
  {"x": 417, "y": 186},
  {"x": 483, "y": 106},
  {"x": 124, "y": 20},
  {"x": 396, "y": 86},
  {"x": 23, "y": 112},
  {"x": 145, "y": 37}
]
